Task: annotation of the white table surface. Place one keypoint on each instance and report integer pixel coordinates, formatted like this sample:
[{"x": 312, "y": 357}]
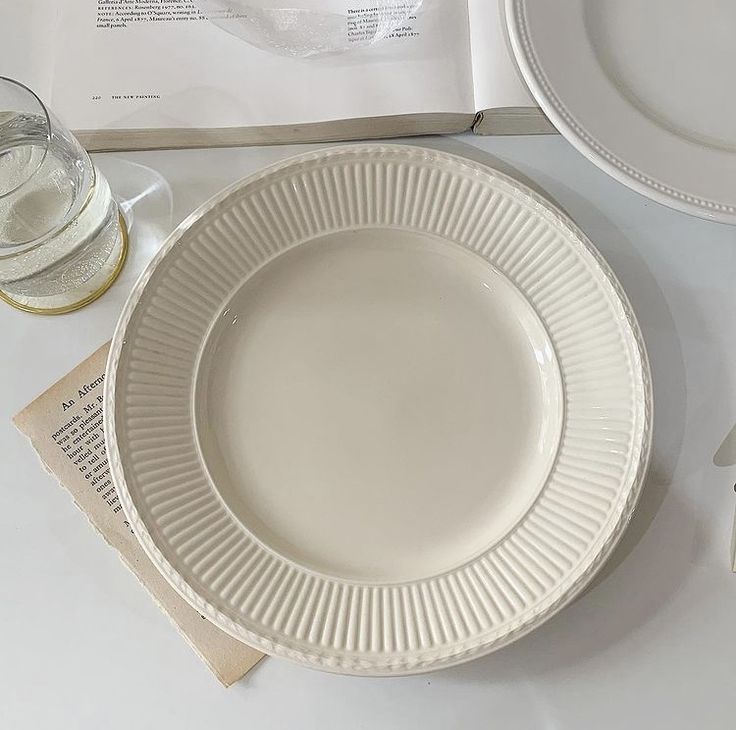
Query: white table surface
[{"x": 652, "y": 644}]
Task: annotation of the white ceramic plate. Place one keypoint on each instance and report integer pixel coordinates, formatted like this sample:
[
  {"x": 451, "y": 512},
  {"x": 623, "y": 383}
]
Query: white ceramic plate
[
  {"x": 644, "y": 89},
  {"x": 377, "y": 409}
]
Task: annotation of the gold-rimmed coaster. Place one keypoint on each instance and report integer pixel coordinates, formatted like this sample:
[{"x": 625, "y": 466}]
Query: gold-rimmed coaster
[{"x": 96, "y": 294}]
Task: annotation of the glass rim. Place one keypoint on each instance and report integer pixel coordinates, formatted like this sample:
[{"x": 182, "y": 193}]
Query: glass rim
[{"x": 47, "y": 117}]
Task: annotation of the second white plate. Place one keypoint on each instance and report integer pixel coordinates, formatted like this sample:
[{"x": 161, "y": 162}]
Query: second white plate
[
  {"x": 644, "y": 89},
  {"x": 378, "y": 409}
]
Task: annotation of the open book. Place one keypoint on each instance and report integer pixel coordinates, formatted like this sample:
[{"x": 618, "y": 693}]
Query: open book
[{"x": 138, "y": 74}]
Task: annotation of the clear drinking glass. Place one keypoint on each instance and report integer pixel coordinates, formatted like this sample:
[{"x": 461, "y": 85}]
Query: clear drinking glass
[{"x": 62, "y": 238}]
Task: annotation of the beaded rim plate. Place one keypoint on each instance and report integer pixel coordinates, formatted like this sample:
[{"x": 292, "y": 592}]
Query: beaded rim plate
[
  {"x": 625, "y": 94},
  {"x": 378, "y": 409}
]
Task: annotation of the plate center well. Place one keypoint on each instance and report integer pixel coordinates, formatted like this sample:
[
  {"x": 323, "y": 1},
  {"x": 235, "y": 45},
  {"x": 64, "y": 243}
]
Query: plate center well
[
  {"x": 674, "y": 60},
  {"x": 378, "y": 405}
]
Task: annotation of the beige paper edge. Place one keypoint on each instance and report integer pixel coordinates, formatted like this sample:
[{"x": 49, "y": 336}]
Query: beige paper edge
[{"x": 228, "y": 658}]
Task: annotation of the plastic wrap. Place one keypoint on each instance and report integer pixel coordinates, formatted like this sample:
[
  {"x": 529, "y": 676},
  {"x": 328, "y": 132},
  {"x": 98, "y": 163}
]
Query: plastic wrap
[{"x": 310, "y": 28}]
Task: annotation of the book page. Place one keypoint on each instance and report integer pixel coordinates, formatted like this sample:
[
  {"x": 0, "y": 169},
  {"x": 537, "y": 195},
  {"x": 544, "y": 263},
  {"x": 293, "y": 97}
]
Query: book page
[
  {"x": 26, "y": 53},
  {"x": 64, "y": 425},
  {"x": 496, "y": 80},
  {"x": 137, "y": 64}
]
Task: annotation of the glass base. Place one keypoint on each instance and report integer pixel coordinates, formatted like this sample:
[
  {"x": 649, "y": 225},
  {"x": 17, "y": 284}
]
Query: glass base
[{"x": 93, "y": 288}]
